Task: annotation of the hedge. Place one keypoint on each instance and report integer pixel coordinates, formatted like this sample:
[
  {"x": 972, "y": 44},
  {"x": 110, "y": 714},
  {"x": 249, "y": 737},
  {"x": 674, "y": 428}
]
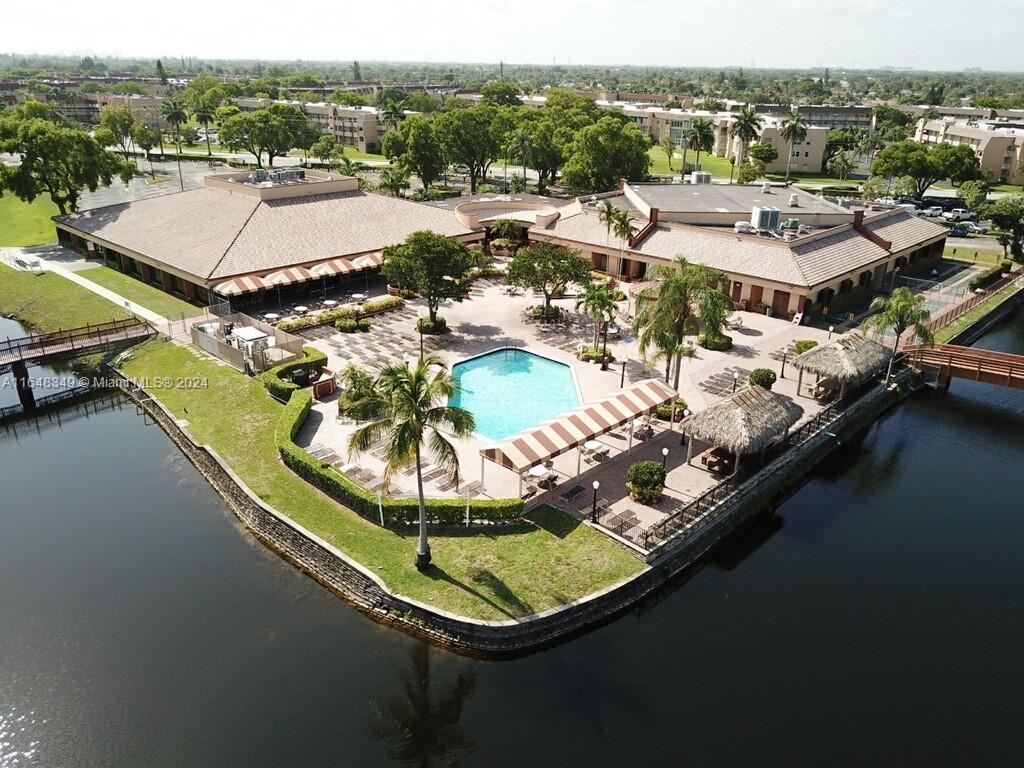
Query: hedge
[
  {"x": 803, "y": 345},
  {"x": 451, "y": 511},
  {"x": 330, "y": 316},
  {"x": 278, "y": 380},
  {"x": 718, "y": 343},
  {"x": 352, "y": 324},
  {"x": 989, "y": 276}
]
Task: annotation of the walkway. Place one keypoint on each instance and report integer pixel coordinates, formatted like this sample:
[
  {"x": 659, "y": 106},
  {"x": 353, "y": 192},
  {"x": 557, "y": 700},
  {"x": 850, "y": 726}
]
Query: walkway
[{"x": 950, "y": 361}]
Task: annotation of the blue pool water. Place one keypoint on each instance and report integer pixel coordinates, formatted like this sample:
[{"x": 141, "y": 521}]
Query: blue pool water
[{"x": 510, "y": 390}]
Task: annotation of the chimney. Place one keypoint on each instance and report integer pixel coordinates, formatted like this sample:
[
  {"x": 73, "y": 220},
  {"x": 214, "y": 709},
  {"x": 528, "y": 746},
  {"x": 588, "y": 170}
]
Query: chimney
[
  {"x": 858, "y": 219},
  {"x": 641, "y": 235}
]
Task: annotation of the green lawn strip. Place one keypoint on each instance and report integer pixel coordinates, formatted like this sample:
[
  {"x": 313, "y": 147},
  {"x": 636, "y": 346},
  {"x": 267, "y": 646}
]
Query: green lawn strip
[
  {"x": 23, "y": 224},
  {"x": 972, "y": 255},
  {"x": 717, "y": 166},
  {"x": 947, "y": 332},
  {"x": 150, "y": 297},
  {"x": 496, "y": 574},
  {"x": 49, "y": 302}
]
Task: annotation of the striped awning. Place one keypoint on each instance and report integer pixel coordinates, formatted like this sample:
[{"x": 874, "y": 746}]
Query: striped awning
[
  {"x": 367, "y": 260},
  {"x": 332, "y": 268},
  {"x": 570, "y": 430},
  {"x": 239, "y": 285},
  {"x": 288, "y": 276}
]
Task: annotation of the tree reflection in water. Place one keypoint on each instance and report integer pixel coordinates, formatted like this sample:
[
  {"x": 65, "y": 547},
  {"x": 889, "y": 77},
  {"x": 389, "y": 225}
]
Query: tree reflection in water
[{"x": 421, "y": 725}]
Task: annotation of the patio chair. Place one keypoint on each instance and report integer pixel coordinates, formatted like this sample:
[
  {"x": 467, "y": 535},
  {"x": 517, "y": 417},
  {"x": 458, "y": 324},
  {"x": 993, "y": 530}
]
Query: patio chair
[{"x": 571, "y": 494}]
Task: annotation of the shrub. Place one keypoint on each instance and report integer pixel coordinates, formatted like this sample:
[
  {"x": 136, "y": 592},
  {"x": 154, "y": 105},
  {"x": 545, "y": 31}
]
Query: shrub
[
  {"x": 278, "y": 380},
  {"x": 989, "y": 276},
  {"x": 594, "y": 354},
  {"x": 540, "y": 313},
  {"x": 381, "y": 304},
  {"x": 352, "y": 324},
  {"x": 423, "y": 325},
  {"x": 645, "y": 481},
  {"x": 762, "y": 377},
  {"x": 664, "y": 411},
  {"x": 717, "y": 343},
  {"x": 803, "y": 345},
  {"x": 364, "y": 503}
]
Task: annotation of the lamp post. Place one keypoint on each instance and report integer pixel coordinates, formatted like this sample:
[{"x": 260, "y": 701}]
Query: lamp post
[
  {"x": 682, "y": 440},
  {"x": 593, "y": 509},
  {"x": 735, "y": 380},
  {"x": 830, "y": 329},
  {"x": 785, "y": 354},
  {"x": 622, "y": 378},
  {"x": 664, "y": 457}
]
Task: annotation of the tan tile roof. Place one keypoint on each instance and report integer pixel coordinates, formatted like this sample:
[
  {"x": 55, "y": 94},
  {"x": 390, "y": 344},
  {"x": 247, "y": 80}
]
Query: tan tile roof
[
  {"x": 902, "y": 229},
  {"x": 212, "y": 233}
]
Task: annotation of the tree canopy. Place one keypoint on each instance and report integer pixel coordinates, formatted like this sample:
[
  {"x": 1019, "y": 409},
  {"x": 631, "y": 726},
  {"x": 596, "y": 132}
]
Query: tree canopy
[
  {"x": 1007, "y": 213},
  {"x": 603, "y": 153},
  {"x": 927, "y": 164},
  {"x": 545, "y": 267},
  {"x": 432, "y": 265}
]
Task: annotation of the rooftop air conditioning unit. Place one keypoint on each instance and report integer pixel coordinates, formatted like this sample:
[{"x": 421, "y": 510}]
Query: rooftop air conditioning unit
[
  {"x": 791, "y": 224},
  {"x": 700, "y": 177},
  {"x": 794, "y": 200},
  {"x": 743, "y": 228},
  {"x": 764, "y": 219}
]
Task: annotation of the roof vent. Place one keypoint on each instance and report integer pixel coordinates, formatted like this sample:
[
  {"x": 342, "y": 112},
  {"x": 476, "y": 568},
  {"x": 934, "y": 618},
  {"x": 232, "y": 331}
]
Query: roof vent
[
  {"x": 766, "y": 188},
  {"x": 794, "y": 200}
]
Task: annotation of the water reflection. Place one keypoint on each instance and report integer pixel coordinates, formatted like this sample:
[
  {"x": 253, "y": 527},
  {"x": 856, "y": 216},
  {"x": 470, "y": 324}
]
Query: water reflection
[
  {"x": 18, "y": 749},
  {"x": 421, "y": 724}
]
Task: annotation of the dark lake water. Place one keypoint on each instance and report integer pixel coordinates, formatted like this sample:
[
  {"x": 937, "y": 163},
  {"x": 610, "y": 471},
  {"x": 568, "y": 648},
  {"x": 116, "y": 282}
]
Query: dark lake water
[{"x": 874, "y": 619}]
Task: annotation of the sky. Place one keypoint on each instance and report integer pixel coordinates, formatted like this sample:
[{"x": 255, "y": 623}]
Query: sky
[{"x": 924, "y": 34}]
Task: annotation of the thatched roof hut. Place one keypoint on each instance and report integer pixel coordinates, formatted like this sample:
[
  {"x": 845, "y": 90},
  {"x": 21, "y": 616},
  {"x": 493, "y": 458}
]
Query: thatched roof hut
[
  {"x": 744, "y": 422},
  {"x": 851, "y": 357}
]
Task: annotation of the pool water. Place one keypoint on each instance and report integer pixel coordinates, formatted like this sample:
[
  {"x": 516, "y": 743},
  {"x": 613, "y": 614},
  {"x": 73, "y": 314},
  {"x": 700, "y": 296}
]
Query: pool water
[{"x": 508, "y": 391}]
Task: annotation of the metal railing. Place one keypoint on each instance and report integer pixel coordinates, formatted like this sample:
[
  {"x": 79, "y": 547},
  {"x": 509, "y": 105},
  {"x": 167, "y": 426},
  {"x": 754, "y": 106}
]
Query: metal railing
[
  {"x": 38, "y": 345},
  {"x": 951, "y": 314}
]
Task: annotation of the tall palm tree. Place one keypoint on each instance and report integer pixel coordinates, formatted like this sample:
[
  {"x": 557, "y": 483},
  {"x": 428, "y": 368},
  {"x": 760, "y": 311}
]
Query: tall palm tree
[
  {"x": 391, "y": 114},
  {"x": 407, "y": 409},
  {"x": 665, "y": 310},
  {"x": 701, "y": 136},
  {"x": 520, "y": 145},
  {"x": 598, "y": 302},
  {"x": 205, "y": 112},
  {"x": 624, "y": 229},
  {"x": 606, "y": 215},
  {"x": 897, "y": 312},
  {"x": 174, "y": 112},
  {"x": 794, "y": 131},
  {"x": 746, "y": 128}
]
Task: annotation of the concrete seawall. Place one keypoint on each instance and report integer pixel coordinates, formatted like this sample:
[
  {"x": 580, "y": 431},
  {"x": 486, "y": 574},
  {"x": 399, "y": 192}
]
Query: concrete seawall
[
  {"x": 364, "y": 590},
  {"x": 984, "y": 324}
]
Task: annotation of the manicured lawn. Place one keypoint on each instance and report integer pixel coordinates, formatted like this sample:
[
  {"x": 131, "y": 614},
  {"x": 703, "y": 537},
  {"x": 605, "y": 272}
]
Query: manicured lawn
[
  {"x": 973, "y": 255},
  {"x": 812, "y": 178},
  {"x": 135, "y": 290},
  {"x": 48, "y": 302},
  {"x": 497, "y": 574},
  {"x": 947, "y": 332},
  {"x": 24, "y": 224},
  {"x": 717, "y": 166}
]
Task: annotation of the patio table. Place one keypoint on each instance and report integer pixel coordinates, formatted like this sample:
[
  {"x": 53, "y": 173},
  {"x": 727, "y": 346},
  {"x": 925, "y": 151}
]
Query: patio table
[
  {"x": 358, "y": 296},
  {"x": 592, "y": 445},
  {"x": 302, "y": 309},
  {"x": 330, "y": 303},
  {"x": 271, "y": 316},
  {"x": 538, "y": 471}
]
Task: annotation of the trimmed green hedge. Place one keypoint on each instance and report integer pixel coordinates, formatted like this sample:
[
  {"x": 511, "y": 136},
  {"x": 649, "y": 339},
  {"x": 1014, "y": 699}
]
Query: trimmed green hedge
[
  {"x": 352, "y": 324},
  {"x": 989, "y": 276},
  {"x": 367, "y": 309},
  {"x": 363, "y": 502},
  {"x": 762, "y": 377},
  {"x": 803, "y": 345},
  {"x": 278, "y": 380},
  {"x": 718, "y": 343}
]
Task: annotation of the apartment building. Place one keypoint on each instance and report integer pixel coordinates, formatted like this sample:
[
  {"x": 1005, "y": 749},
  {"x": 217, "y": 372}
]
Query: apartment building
[
  {"x": 358, "y": 127},
  {"x": 145, "y": 109},
  {"x": 998, "y": 147}
]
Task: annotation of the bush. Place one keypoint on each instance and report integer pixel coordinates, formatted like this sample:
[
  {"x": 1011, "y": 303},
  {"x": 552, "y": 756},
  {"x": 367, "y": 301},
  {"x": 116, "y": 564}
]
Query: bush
[
  {"x": 371, "y": 307},
  {"x": 989, "y": 276},
  {"x": 352, "y": 324},
  {"x": 664, "y": 411},
  {"x": 645, "y": 481},
  {"x": 803, "y": 345},
  {"x": 718, "y": 343},
  {"x": 423, "y": 325},
  {"x": 594, "y": 354},
  {"x": 381, "y": 304},
  {"x": 551, "y": 313},
  {"x": 278, "y": 380},
  {"x": 762, "y": 377},
  {"x": 364, "y": 503}
]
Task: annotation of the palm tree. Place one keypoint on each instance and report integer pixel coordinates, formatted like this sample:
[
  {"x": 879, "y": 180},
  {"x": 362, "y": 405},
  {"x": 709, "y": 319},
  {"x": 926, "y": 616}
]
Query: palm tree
[
  {"x": 598, "y": 302},
  {"x": 520, "y": 146},
  {"x": 701, "y": 136},
  {"x": 841, "y": 165},
  {"x": 794, "y": 130},
  {"x": 407, "y": 408},
  {"x": 606, "y": 215},
  {"x": 173, "y": 111},
  {"x": 391, "y": 114},
  {"x": 624, "y": 229},
  {"x": 746, "y": 128},
  {"x": 204, "y": 112},
  {"x": 897, "y": 312},
  {"x": 394, "y": 179},
  {"x": 665, "y": 311}
]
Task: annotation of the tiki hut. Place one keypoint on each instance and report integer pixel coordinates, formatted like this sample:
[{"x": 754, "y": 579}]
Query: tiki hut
[
  {"x": 744, "y": 422},
  {"x": 852, "y": 357}
]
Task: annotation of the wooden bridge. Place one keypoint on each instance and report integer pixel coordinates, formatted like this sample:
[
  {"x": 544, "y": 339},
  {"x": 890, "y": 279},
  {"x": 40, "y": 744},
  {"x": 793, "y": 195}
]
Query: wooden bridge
[
  {"x": 44, "y": 347},
  {"x": 949, "y": 361}
]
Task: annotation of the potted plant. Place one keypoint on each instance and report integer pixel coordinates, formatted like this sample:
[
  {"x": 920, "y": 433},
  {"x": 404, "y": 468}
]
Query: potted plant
[{"x": 645, "y": 481}]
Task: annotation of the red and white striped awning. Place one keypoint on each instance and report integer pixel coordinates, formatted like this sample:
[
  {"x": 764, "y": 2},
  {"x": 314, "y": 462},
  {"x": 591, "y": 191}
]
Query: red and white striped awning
[
  {"x": 570, "y": 430},
  {"x": 288, "y": 276},
  {"x": 332, "y": 268},
  {"x": 367, "y": 260},
  {"x": 239, "y": 285}
]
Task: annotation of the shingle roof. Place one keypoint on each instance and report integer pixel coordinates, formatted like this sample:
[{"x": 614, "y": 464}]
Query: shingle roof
[{"x": 213, "y": 233}]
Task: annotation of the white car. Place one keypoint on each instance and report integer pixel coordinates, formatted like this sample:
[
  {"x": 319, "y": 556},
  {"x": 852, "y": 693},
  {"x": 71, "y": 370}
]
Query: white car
[
  {"x": 976, "y": 227},
  {"x": 958, "y": 214},
  {"x": 932, "y": 210}
]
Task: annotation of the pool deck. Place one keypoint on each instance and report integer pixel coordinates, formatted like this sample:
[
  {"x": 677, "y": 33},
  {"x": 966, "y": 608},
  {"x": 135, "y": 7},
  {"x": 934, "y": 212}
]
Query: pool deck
[{"x": 488, "y": 320}]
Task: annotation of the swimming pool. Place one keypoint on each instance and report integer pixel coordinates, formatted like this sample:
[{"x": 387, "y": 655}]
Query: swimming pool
[{"x": 510, "y": 390}]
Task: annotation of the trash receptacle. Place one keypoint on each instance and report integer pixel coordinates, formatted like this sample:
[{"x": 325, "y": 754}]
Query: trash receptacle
[{"x": 300, "y": 377}]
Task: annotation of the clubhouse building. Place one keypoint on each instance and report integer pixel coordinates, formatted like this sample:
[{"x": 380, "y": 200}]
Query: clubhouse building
[{"x": 244, "y": 234}]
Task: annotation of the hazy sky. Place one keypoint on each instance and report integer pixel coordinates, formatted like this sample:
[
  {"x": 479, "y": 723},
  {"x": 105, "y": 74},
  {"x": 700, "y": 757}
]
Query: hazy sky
[{"x": 927, "y": 34}]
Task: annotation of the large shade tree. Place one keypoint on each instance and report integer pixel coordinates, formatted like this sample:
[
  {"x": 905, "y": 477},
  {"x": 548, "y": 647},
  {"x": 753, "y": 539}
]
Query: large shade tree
[
  {"x": 546, "y": 267},
  {"x": 466, "y": 136},
  {"x": 117, "y": 128},
  {"x": 602, "y": 153},
  {"x": 927, "y": 164},
  {"x": 260, "y": 132},
  {"x": 432, "y": 265},
  {"x": 407, "y": 413}
]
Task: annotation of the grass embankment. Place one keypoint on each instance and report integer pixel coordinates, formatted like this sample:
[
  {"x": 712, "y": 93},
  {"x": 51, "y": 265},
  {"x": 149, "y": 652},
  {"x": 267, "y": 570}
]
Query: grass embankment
[
  {"x": 496, "y": 574},
  {"x": 716, "y": 166},
  {"x": 148, "y": 296},
  {"x": 49, "y": 302},
  {"x": 23, "y": 224},
  {"x": 944, "y": 334},
  {"x": 973, "y": 255}
]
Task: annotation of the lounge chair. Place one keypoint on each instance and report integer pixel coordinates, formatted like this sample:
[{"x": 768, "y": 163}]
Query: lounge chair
[{"x": 572, "y": 493}]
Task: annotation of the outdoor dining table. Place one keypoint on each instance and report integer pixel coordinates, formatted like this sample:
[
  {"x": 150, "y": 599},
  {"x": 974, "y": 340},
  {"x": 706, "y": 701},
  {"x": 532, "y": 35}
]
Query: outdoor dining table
[
  {"x": 302, "y": 309},
  {"x": 592, "y": 445},
  {"x": 358, "y": 296},
  {"x": 271, "y": 316},
  {"x": 330, "y": 303},
  {"x": 538, "y": 471}
]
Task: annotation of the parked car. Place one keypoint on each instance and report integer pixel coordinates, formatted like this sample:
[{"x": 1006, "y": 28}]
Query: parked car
[
  {"x": 958, "y": 214},
  {"x": 932, "y": 210},
  {"x": 959, "y": 230},
  {"x": 976, "y": 227}
]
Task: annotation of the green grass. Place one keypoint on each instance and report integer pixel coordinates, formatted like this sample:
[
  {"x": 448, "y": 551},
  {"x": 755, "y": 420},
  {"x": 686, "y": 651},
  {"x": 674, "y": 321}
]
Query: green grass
[
  {"x": 814, "y": 178},
  {"x": 495, "y": 574},
  {"x": 48, "y": 302},
  {"x": 947, "y": 332},
  {"x": 973, "y": 255},
  {"x": 717, "y": 166},
  {"x": 148, "y": 296},
  {"x": 24, "y": 224}
]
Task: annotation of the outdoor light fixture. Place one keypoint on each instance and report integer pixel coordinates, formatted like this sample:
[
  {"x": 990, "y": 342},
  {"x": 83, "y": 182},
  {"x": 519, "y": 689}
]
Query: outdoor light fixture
[
  {"x": 664, "y": 457},
  {"x": 830, "y": 329},
  {"x": 593, "y": 509},
  {"x": 785, "y": 354},
  {"x": 735, "y": 380}
]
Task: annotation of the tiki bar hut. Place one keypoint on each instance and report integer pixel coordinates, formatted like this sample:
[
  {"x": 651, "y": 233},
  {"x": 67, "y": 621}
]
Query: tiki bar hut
[
  {"x": 745, "y": 422},
  {"x": 851, "y": 358}
]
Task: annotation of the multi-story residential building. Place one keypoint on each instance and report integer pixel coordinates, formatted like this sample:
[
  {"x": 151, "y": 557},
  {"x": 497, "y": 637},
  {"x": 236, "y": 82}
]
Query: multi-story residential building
[
  {"x": 145, "y": 109},
  {"x": 69, "y": 105},
  {"x": 998, "y": 146},
  {"x": 358, "y": 127}
]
